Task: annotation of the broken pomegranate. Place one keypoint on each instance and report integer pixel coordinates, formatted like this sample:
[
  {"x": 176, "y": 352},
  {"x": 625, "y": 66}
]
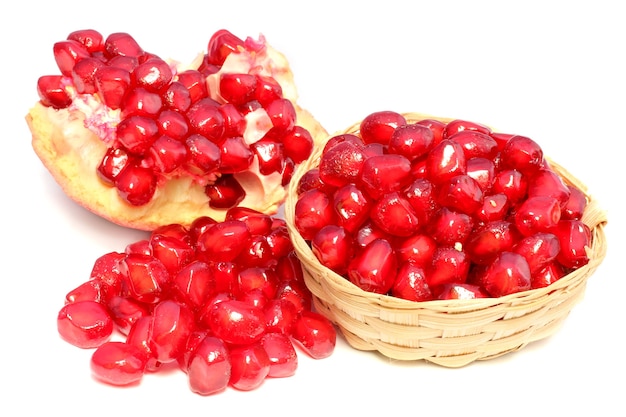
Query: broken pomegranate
[
  {"x": 427, "y": 209},
  {"x": 145, "y": 142},
  {"x": 223, "y": 301}
]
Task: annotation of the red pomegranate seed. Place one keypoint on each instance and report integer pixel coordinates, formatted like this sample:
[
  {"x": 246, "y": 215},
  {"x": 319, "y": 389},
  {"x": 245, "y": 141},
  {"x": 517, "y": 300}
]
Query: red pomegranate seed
[
  {"x": 449, "y": 227},
  {"x": 224, "y": 241},
  {"x": 256, "y": 253},
  {"x": 167, "y": 154},
  {"x": 374, "y": 269},
  {"x": 313, "y": 210},
  {"x": 546, "y": 182},
  {"x": 193, "y": 284},
  {"x": 209, "y": 368},
  {"x": 280, "y": 316},
  {"x": 289, "y": 268},
  {"x": 446, "y": 160},
  {"x": 539, "y": 250},
  {"x": 91, "y": 39},
  {"x": 141, "y": 102},
  {"x": 250, "y": 365},
  {"x": 118, "y": 363},
  {"x": 420, "y": 195},
  {"x": 236, "y": 156},
  {"x": 482, "y": 170},
  {"x": 475, "y": 144},
  {"x": 173, "y": 252},
  {"x": 145, "y": 276},
  {"x": 332, "y": 246},
  {"x": 177, "y": 96},
  {"x": 114, "y": 161},
  {"x": 298, "y": 144},
  {"x": 205, "y": 119},
  {"x": 512, "y": 183},
  {"x": 461, "y": 193},
  {"x": 236, "y": 322},
  {"x": 382, "y": 174},
  {"x": 126, "y": 311},
  {"x": 393, "y": 214},
  {"x": 92, "y": 290},
  {"x": 537, "y": 214},
  {"x": 282, "y": 113},
  {"x": 378, "y": 127},
  {"x": 195, "y": 83},
  {"x": 351, "y": 206},
  {"x": 448, "y": 266},
  {"x": 139, "y": 336},
  {"x": 121, "y": 43},
  {"x": 269, "y": 154},
  {"x": 203, "y": 155},
  {"x": 523, "y": 154},
  {"x": 67, "y": 53},
  {"x": 172, "y": 323},
  {"x": 509, "y": 273},
  {"x": 136, "y": 185},
  {"x": 281, "y": 353},
  {"x": 461, "y": 292},
  {"x": 237, "y": 88},
  {"x": 51, "y": 90},
  {"x": 575, "y": 206},
  {"x": 296, "y": 292},
  {"x": 258, "y": 223},
  {"x": 411, "y": 284},
  {"x": 456, "y": 126},
  {"x": 126, "y": 63},
  {"x": 574, "y": 237},
  {"x": 436, "y": 126},
  {"x": 547, "y": 275},
  {"x": 225, "y": 192},
  {"x": 417, "y": 249},
  {"x": 84, "y": 75},
  {"x": 85, "y": 324},
  {"x": 315, "y": 334},
  {"x": 222, "y": 44},
  {"x": 154, "y": 75},
  {"x": 137, "y": 133},
  {"x": 341, "y": 164},
  {"x": 112, "y": 83},
  {"x": 494, "y": 207},
  {"x": 488, "y": 241},
  {"x": 411, "y": 141}
]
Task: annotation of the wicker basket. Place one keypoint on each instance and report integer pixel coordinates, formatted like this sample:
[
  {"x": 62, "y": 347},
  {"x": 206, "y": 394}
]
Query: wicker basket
[{"x": 449, "y": 333}]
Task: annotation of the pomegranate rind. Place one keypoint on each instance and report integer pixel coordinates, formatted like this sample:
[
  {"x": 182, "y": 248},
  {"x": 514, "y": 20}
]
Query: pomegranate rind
[{"x": 71, "y": 153}]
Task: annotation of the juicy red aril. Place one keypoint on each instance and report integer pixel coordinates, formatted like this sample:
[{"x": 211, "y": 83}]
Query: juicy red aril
[
  {"x": 236, "y": 155},
  {"x": 411, "y": 284},
  {"x": 475, "y": 144},
  {"x": 461, "y": 292},
  {"x": 445, "y": 161},
  {"x": 314, "y": 210},
  {"x": 237, "y": 322},
  {"x": 225, "y": 192},
  {"x": 222, "y": 44},
  {"x": 85, "y": 324},
  {"x": 237, "y": 88},
  {"x": 91, "y": 39},
  {"x": 448, "y": 266},
  {"x": 461, "y": 193},
  {"x": 523, "y": 154},
  {"x": 281, "y": 353},
  {"x": 574, "y": 237},
  {"x": 203, "y": 155},
  {"x": 269, "y": 154},
  {"x": 332, "y": 246},
  {"x": 52, "y": 92},
  {"x": 195, "y": 83},
  {"x": 224, "y": 241},
  {"x": 205, "y": 118},
  {"x": 539, "y": 250},
  {"x": 136, "y": 184},
  {"x": 382, "y": 174},
  {"x": 84, "y": 75},
  {"x": 537, "y": 214},
  {"x": 145, "y": 276},
  {"x": 167, "y": 154},
  {"x": 209, "y": 368},
  {"x": 458, "y": 125},
  {"x": 378, "y": 127},
  {"x": 374, "y": 268},
  {"x": 507, "y": 274},
  {"x": 546, "y": 182},
  {"x": 118, "y": 363},
  {"x": 126, "y": 311},
  {"x": 67, "y": 53},
  {"x": 315, "y": 334},
  {"x": 393, "y": 214},
  {"x": 250, "y": 365},
  {"x": 141, "y": 102},
  {"x": 411, "y": 141},
  {"x": 341, "y": 163},
  {"x": 298, "y": 144},
  {"x": 112, "y": 83},
  {"x": 351, "y": 206},
  {"x": 490, "y": 240},
  {"x": 137, "y": 133},
  {"x": 123, "y": 44},
  {"x": 154, "y": 74},
  {"x": 171, "y": 325}
]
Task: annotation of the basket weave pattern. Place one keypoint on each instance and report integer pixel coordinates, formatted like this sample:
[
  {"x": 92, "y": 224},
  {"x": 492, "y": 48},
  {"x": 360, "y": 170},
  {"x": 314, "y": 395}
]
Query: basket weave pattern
[{"x": 451, "y": 333}]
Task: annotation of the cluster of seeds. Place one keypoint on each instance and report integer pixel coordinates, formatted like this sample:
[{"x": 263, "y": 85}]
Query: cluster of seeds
[
  {"x": 161, "y": 122},
  {"x": 424, "y": 209},
  {"x": 224, "y": 301}
]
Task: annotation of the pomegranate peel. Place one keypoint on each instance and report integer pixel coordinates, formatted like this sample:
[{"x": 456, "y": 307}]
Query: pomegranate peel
[{"x": 72, "y": 141}]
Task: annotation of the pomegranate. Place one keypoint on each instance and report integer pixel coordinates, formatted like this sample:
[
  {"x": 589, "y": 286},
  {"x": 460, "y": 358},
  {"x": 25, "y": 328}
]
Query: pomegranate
[
  {"x": 145, "y": 142},
  {"x": 427, "y": 208},
  {"x": 223, "y": 301}
]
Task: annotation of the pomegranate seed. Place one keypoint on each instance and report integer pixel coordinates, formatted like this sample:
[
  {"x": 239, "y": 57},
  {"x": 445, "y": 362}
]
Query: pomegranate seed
[
  {"x": 52, "y": 92},
  {"x": 84, "y": 75},
  {"x": 167, "y": 154},
  {"x": 172, "y": 323},
  {"x": 237, "y": 322},
  {"x": 126, "y": 312},
  {"x": 121, "y": 44},
  {"x": 417, "y": 249},
  {"x": 411, "y": 284},
  {"x": 85, "y": 324},
  {"x": 224, "y": 241},
  {"x": 234, "y": 122},
  {"x": 449, "y": 227},
  {"x": 237, "y": 88},
  {"x": 222, "y": 44},
  {"x": 481, "y": 170},
  {"x": 141, "y": 102},
  {"x": 507, "y": 274},
  {"x": 523, "y": 154},
  {"x": 341, "y": 164},
  {"x": 461, "y": 292},
  {"x": 93, "y": 290},
  {"x": 315, "y": 334},
  {"x": 282, "y": 113},
  {"x": 269, "y": 154},
  {"x": 177, "y": 96},
  {"x": 118, "y": 363},
  {"x": 193, "y": 284},
  {"x": 258, "y": 223},
  {"x": 446, "y": 160},
  {"x": 461, "y": 193},
  {"x": 203, "y": 156},
  {"x": 489, "y": 240},
  {"x": 475, "y": 144},
  {"x": 494, "y": 207},
  {"x": 250, "y": 365},
  {"x": 448, "y": 266},
  {"x": 112, "y": 83},
  {"x": 436, "y": 126},
  {"x": 236, "y": 156},
  {"x": 394, "y": 215},
  {"x": 146, "y": 276},
  {"x": 351, "y": 206},
  {"x": 574, "y": 237},
  {"x": 154, "y": 75},
  {"x": 173, "y": 252},
  {"x": 420, "y": 195},
  {"x": 126, "y": 63},
  {"x": 225, "y": 192},
  {"x": 575, "y": 206},
  {"x": 267, "y": 89},
  {"x": 296, "y": 292},
  {"x": 382, "y": 174},
  {"x": 136, "y": 185},
  {"x": 374, "y": 269},
  {"x": 298, "y": 144},
  {"x": 195, "y": 83},
  {"x": 456, "y": 126},
  {"x": 313, "y": 210},
  {"x": 378, "y": 127},
  {"x": 411, "y": 141},
  {"x": 281, "y": 353},
  {"x": 512, "y": 183},
  {"x": 91, "y": 39},
  {"x": 280, "y": 316},
  {"x": 539, "y": 250},
  {"x": 209, "y": 367},
  {"x": 537, "y": 214},
  {"x": 205, "y": 119},
  {"x": 256, "y": 253},
  {"x": 547, "y": 275},
  {"x": 546, "y": 182},
  {"x": 332, "y": 246},
  {"x": 114, "y": 161},
  {"x": 67, "y": 53},
  {"x": 139, "y": 336}
]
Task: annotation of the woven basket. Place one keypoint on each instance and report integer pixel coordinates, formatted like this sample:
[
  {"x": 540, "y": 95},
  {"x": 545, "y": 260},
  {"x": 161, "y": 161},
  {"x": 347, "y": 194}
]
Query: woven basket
[{"x": 451, "y": 333}]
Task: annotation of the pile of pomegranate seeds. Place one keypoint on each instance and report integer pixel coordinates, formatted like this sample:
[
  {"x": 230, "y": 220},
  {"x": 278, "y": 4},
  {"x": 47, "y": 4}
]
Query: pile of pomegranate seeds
[
  {"x": 431, "y": 210},
  {"x": 224, "y": 301},
  {"x": 161, "y": 122}
]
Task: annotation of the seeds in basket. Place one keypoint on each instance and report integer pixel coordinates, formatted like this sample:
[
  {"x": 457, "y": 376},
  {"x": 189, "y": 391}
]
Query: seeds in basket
[{"x": 425, "y": 209}]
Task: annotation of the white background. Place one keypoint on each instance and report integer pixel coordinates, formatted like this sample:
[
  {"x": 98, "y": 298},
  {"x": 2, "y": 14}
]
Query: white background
[{"x": 553, "y": 71}]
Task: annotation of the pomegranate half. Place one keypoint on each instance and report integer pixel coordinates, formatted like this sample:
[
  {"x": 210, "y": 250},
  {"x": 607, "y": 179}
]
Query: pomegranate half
[{"x": 145, "y": 142}]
